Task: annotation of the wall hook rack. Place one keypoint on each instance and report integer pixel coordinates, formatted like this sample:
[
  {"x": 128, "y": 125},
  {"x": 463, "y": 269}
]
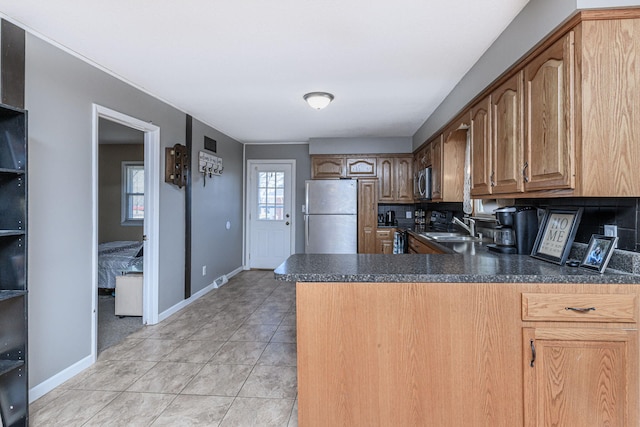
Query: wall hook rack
[{"x": 209, "y": 165}]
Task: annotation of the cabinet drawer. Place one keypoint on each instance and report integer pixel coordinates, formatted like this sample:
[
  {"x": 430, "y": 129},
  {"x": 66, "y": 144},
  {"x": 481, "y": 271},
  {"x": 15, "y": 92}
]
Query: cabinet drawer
[
  {"x": 579, "y": 307},
  {"x": 384, "y": 234}
]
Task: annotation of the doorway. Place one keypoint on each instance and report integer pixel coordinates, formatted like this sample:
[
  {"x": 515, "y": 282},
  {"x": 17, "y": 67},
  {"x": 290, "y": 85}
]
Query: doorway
[
  {"x": 131, "y": 228},
  {"x": 270, "y": 219}
]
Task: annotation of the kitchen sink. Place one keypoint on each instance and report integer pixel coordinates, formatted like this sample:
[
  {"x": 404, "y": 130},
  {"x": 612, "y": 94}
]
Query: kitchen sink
[
  {"x": 441, "y": 234},
  {"x": 456, "y": 239},
  {"x": 451, "y": 237}
]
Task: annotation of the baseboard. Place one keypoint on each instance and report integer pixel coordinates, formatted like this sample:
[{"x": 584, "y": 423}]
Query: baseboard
[
  {"x": 184, "y": 303},
  {"x": 46, "y": 386}
]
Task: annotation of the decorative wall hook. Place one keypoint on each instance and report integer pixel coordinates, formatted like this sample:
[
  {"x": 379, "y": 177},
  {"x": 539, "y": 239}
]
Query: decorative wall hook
[{"x": 209, "y": 165}]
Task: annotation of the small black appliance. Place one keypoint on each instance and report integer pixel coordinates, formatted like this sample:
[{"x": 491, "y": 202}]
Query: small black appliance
[{"x": 517, "y": 230}]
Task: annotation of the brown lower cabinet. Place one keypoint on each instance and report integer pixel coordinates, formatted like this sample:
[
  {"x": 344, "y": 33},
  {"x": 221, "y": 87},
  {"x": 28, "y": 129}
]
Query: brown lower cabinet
[
  {"x": 467, "y": 354},
  {"x": 384, "y": 240},
  {"x": 417, "y": 246}
]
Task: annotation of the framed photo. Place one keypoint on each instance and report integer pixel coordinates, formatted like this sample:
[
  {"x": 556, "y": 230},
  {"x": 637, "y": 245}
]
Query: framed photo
[
  {"x": 556, "y": 234},
  {"x": 599, "y": 252}
]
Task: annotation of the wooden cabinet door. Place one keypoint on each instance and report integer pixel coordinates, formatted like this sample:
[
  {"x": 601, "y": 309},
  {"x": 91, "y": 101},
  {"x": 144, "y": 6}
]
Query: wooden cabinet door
[
  {"x": 365, "y": 167},
  {"x": 436, "y": 169},
  {"x": 367, "y": 215},
  {"x": 384, "y": 241},
  {"x": 481, "y": 168},
  {"x": 580, "y": 377},
  {"x": 324, "y": 167},
  {"x": 507, "y": 140},
  {"x": 385, "y": 179},
  {"x": 403, "y": 179},
  {"x": 549, "y": 118}
]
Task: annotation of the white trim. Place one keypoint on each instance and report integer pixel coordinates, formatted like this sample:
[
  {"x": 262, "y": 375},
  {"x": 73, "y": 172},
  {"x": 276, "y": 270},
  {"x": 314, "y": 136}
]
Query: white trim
[
  {"x": 247, "y": 205},
  {"x": 202, "y": 292},
  {"x": 151, "y": 222},
  {"x": 46, "y": 386},
  {"x": 124, "y": 191}
]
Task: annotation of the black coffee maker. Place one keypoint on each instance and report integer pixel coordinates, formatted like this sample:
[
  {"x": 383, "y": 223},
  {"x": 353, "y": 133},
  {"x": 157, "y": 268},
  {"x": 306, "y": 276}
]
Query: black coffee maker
[{"x": 517, "y": 230}]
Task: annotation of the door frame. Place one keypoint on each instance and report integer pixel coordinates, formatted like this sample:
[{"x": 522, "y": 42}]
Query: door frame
[
  {"x": 249, "y": 193},
  {"x": 150, "y": 313}
]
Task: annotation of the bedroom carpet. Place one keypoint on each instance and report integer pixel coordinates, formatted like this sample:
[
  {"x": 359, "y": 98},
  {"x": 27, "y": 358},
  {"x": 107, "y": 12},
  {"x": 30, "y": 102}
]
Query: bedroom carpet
[{"x": 111, "y": 328}]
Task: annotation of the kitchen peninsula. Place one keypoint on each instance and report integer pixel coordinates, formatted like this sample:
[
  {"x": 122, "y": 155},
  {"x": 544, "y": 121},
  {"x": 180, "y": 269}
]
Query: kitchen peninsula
[{"x": 476, "y": 339}]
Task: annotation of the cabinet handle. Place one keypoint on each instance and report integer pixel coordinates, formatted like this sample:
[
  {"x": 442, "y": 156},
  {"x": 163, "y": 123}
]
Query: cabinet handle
[
  {"x": 581, "y": 309},
  {"x": 524, "y": 172},
  {"x": 491, "y": 179},
  {"x": 533, "y": 354}
]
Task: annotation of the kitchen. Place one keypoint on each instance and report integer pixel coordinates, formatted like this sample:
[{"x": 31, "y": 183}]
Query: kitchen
[{"x": 517, "y": 339}]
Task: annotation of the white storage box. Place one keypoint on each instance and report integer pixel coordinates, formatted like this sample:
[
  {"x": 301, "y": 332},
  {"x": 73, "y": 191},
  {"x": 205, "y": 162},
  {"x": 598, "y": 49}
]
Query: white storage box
[{"x": 129, "y": 295}]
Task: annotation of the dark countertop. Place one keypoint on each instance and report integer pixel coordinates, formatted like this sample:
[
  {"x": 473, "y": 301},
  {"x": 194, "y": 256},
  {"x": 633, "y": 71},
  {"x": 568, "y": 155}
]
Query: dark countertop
[{"x": 469, "y": 262}]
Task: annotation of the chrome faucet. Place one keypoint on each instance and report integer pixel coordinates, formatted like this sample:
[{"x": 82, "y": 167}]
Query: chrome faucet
[{"x": 471, "y": 228}]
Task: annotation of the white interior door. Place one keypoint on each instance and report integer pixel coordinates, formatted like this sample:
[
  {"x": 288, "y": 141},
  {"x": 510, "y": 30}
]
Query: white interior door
[{"x": 270, "y": 215}]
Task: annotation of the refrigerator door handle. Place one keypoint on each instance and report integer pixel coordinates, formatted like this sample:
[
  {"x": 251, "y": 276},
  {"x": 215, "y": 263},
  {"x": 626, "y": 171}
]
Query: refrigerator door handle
[{"x": 306, "y": 231}]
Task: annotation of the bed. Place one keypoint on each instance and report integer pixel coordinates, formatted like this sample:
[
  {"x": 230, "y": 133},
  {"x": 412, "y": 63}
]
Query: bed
[{"x": 116, "y": 257}]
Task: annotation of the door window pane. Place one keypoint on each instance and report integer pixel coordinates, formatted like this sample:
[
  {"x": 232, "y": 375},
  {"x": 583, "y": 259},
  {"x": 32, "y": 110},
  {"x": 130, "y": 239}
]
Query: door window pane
[{"x": 271, "y": 196}]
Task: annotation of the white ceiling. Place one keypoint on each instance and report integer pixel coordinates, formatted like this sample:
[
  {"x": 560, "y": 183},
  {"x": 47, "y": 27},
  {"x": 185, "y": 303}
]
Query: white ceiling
[{"x": 242, "y": 66}]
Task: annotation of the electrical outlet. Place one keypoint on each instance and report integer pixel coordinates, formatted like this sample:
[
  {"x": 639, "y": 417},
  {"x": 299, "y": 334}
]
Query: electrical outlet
[
  {"x": 407, "y": 215},
  {"x": 611, "y": 230},
  {"x": 204, "y": 270}
]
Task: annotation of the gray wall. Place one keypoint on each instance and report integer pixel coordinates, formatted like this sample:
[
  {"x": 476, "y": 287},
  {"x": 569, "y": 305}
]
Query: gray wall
[
  {"x": 110, "y": 158},
  {"x": 299, "y": 152},
  {"x": 60, "y": 90},
  {"x": 215, "y": 201},
  {"x": 360, "y": 145},
  {"x": 533, "y": 23}
]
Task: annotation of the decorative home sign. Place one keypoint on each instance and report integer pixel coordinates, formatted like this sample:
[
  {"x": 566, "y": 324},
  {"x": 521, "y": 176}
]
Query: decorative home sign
[
  {"x": 556, "y": 234},
  {"x": 599, "y": 252}
]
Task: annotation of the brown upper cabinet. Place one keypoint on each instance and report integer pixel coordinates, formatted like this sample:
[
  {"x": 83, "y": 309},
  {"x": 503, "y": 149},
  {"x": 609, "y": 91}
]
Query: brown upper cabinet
[
  {"x": 340, "y": 166},
  {"x": 395, "y": 179},
  {"x": 564, "y": 120},
  {"x": 447, "y": 162},
  {"x": 549, "y": 111},
  {"x": 323, "y": 167},
  {"x": 480, "y": 129},
  {"x": 365, "y": 167},
  {"x": 497, "y": 141},
  {"x": 506, "y": 137}
]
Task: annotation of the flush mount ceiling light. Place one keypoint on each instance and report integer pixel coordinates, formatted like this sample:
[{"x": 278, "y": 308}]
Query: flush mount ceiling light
[{"x": 318, "y": 100}]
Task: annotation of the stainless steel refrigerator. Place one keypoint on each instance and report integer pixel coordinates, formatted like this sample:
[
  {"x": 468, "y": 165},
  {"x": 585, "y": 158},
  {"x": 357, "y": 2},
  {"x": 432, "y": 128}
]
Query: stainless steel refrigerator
[{"x": 331, "y": 216}]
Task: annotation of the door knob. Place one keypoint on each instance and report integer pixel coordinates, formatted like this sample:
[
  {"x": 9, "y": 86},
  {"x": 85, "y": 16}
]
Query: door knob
[
  {"x": 287, "y": 215},
  {"x": 286, "y": 223}
]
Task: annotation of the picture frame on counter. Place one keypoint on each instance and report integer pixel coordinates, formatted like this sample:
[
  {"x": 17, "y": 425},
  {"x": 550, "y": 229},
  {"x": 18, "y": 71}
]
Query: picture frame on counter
[
  {"x": 599, "y": 252},
  {"x": 556, "y": 233}
]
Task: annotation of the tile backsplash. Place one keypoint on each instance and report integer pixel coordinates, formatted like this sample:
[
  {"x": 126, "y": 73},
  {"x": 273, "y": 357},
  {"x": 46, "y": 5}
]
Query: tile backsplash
[{"x": 598, "y": 212}]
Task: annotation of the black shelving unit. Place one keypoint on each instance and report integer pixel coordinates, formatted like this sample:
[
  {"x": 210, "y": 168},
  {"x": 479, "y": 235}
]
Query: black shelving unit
[{"x": 14, "y": 401}]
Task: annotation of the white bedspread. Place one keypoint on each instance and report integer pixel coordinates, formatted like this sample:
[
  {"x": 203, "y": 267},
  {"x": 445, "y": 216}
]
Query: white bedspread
[{"x": 116, "y": 257}]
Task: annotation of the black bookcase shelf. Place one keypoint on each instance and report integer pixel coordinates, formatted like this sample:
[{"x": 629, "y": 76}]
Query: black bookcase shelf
[
  {"x": 5, "y": 295},
  {"x": 10, "y": 365},
  {"x": 14, "y": 401}
]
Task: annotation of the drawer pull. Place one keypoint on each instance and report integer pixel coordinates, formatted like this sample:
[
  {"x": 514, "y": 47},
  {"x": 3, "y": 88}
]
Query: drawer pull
[{"x": 581, "y": 310}]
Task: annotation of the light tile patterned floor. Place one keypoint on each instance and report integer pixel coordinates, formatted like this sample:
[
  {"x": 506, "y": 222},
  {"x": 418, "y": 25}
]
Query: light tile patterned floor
[{"x": 228, "y": 359}]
